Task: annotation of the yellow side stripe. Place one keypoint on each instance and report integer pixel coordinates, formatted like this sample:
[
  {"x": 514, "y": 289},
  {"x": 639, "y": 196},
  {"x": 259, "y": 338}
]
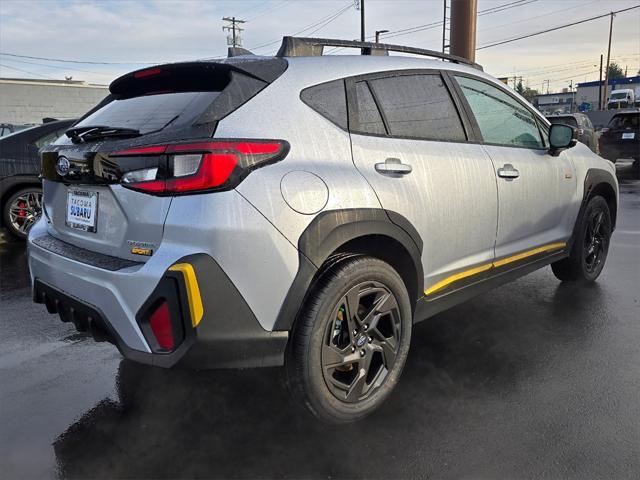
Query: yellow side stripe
[
  {"x": 193, "y": 291},
  {"x": 497, "y": 263}
]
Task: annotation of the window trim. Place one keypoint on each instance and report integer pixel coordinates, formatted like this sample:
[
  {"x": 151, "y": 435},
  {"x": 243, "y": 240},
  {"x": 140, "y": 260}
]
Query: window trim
[
  {"x": 352, "y": 107},
  {"x": 538, "y": 118}
]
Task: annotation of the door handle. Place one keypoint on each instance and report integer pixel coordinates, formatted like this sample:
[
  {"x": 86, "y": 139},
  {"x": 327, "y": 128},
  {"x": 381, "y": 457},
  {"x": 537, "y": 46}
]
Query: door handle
[
  {"x": 393, "y": 166},
  {"x": 508, "y": 172}
]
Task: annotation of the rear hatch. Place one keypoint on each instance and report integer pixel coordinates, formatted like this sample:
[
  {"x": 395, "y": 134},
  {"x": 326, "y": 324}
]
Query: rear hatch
[
  {"x": 107, "y": 186},
  {"x": 623, "y": 132}
]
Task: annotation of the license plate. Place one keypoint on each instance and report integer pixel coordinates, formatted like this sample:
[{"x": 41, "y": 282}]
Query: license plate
[
  {"x": 82, "y": 210},
  {"x": 628, "y": 136}
]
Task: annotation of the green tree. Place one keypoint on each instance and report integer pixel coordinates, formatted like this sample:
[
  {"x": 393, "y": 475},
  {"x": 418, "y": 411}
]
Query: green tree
[
  {"x": 615, "y": 71},
  {"x": 519, "y": 87}
]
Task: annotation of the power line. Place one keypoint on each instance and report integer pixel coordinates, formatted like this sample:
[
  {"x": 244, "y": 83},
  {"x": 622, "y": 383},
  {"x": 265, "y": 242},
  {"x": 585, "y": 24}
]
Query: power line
[
  {"x": 76, "y": 61},
  {"x": 27, "y": 72},
  {"x": 555, "y": 28},
  {"x": 68, "y": 69}
]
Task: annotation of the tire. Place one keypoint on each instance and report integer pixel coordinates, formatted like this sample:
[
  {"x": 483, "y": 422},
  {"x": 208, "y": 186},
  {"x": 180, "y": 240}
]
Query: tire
[
  {"x": 22, "y": 210},
  {"x": 590, "y": 247},
  {"x": 367, "y": 365}
]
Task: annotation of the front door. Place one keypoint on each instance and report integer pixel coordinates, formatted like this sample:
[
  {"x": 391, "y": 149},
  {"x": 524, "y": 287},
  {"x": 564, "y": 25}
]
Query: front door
[
  {"x": 536, "y": 207},
  {"x": 410, "y": 143}
]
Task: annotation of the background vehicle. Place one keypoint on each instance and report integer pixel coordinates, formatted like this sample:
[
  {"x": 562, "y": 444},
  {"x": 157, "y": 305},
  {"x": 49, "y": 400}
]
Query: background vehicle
[
  {"x": 621, "y": 98},
  {"x": 9, "y": 128},
  {"x": 621, "y": 138},
  {"x": 20, "y": 188},
  {"x": 306, "y": 210},
  {"x": 584, "y": 128}
]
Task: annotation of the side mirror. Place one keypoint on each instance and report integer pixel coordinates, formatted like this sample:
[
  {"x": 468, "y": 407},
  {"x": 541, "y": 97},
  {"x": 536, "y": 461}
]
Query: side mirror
[{"x": 561, "y": 137}]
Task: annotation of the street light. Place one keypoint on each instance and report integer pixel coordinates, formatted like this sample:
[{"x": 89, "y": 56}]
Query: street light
[{"x": 378, "y": 32}]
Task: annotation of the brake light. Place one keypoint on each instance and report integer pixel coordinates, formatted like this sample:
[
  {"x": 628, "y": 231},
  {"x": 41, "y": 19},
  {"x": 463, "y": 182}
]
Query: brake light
[
  {"x": 200, "y": 166},
  {"x": 161, "y": 327},
  {"x": 149, "y": 72}
]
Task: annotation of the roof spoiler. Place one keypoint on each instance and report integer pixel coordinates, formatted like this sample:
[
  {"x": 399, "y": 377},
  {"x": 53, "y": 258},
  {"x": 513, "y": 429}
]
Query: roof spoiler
[{"x": 314, "y": 47}]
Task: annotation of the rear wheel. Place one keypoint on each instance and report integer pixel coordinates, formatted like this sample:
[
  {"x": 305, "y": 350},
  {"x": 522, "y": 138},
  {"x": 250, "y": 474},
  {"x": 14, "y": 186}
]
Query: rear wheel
[
  {"x": 590, "y": 247},
  {"x": 22, "y": 210},
  {"x": 350, "y": 341}
]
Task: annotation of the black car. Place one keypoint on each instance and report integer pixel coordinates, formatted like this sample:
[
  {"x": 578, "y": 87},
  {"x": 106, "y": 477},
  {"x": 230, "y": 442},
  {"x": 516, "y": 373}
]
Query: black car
[
  {"x": 20, "y": 186},
  {"x": 584, "y": 128},
  {"x": 621, "y": 138}
]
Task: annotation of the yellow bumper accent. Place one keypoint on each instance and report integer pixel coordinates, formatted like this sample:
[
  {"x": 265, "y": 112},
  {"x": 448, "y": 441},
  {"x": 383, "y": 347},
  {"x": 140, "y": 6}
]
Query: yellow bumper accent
[
  {"x": 193, "y": 291},
  {"x": 497, "y": 263}
]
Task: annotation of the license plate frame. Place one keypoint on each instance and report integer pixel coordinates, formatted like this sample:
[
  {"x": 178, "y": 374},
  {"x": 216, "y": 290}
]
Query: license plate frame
[
  {"x": 85, "y": 204},
  {"x": 628, "y": 135}
]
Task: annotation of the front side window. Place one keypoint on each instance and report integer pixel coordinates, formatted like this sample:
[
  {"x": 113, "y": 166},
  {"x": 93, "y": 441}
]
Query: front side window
[
  {"x": 418, "y": 106},
  {"x": 502, "y": 120}
]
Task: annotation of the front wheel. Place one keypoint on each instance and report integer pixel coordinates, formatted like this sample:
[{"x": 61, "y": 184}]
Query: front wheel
[
  {"x": 350, "y": 341},
  {"x": 590, "y": 247}
]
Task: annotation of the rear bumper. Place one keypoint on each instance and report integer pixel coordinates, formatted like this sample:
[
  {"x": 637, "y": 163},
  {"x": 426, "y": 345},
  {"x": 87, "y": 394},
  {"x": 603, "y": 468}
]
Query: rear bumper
[
  {"x": 615, "y": 151},
  {"x": 111, "y": 302}
]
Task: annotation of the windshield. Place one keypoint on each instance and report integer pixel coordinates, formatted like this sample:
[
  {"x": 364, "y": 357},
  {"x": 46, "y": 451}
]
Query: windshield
[
  {"x": 619, "y": 96},
  {"x": 151, "y": 113},
  {"x": 564, "y": 120}
]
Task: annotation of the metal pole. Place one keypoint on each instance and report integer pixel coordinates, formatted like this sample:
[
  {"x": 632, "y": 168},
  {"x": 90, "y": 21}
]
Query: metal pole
[
  {"x": 378, "y": 32},
  {"x": 600, "y": 86},
  {"x": 463, "y": 28},
  {"x": 606, "y": 72},
  {"x": 233, "y": 28},
  {"x": 362, "y": 33}
]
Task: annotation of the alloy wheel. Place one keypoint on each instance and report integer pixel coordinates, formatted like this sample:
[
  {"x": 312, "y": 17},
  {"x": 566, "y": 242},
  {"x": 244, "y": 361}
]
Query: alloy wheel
[
  {"x": 596, "y": 241},
  {"x": 25, "y": 210},
  {"x": 361, "y": 341}
]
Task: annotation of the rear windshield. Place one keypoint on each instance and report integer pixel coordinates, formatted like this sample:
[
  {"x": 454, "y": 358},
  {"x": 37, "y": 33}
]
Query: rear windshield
[
  {"x": 151, "y": 113},
  {"x": 625, "y": 121},
  {"x": 564, "y": 120}
]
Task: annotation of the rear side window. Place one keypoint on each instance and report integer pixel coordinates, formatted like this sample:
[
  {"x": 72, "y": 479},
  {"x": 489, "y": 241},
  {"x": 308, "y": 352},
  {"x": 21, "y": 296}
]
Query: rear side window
[
  {"x": 368, "y": 116},
  {"x": 418, "y": 106},
  {"x": 502, "y": 119},
  {"x": 329, "y": 100}
]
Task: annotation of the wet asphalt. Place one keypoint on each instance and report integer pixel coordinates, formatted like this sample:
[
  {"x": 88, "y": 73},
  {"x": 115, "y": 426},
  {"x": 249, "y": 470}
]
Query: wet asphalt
[{"x": 533, "y": 380}]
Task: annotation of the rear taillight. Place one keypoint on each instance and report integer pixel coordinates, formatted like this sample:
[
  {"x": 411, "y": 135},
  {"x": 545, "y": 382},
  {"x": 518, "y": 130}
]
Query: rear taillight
[{"x": 197, "y": 167}]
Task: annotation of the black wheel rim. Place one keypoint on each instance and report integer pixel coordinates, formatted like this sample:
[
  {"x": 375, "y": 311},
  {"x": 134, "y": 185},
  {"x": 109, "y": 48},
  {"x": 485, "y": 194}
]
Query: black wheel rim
[
  {"x": 25, "y": 210},
  {"x": 596, "y": 241},
  {"x": 361, "y": 342}
]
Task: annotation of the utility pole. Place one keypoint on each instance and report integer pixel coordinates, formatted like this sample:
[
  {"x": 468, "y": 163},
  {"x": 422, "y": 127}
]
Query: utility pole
[
  {"x": 378, "y": 32},
  {"x": 360, "y": 6},
  {"x": 236, "y": 41},
  {"x": 606, "y": 72},
  {"x": 600, "y": 86},
  {"x": 463, "y": 28},
  {"x": 444, "y": 26}
]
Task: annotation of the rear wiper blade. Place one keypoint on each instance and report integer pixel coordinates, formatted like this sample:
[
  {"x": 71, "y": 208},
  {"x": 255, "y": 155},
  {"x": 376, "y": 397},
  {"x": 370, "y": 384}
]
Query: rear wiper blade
[{"x": 82, "y": 134}]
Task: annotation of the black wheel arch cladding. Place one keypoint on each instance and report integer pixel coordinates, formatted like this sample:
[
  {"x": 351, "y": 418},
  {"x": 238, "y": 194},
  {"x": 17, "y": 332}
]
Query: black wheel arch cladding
[{"x": 376, "y": 232}]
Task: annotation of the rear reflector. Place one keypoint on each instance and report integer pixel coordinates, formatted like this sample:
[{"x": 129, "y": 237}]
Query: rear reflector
[
  {"x": 161, "y": 327},
  {"x": 200, "y": 166}
]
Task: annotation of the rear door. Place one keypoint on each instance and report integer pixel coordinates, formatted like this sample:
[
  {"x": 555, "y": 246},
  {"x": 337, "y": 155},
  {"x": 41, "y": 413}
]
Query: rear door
[
  {"x": 535, "y": 190},
  {"x": 412, "y": 145}
]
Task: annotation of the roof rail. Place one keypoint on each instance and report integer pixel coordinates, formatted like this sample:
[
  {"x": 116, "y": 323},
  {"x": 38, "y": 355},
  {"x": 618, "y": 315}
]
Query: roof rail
[{"x": 313, "y": 47}]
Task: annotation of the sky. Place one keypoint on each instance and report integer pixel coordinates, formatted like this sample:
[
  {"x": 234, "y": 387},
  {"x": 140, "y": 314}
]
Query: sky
[{"x": 110, "y": 38}]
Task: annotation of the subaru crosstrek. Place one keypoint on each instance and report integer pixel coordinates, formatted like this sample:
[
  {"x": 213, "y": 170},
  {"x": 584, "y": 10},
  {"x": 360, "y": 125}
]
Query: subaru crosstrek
[{"x": 305, "y": 210}]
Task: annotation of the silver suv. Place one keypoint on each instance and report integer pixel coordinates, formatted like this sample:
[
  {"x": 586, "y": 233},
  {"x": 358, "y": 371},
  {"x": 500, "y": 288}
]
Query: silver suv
[{"x": 306, "y": 210}]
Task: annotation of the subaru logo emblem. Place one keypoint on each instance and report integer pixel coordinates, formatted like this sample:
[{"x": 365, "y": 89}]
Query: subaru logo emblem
[
  {"x": 361, "y": 341},
  {"x": 63, "y": 166}
]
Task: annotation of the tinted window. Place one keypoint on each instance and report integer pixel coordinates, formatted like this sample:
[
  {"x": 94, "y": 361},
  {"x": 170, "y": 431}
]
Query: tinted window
[
  {"x": 47, "y": 139},
  {"x": 368, "y": 118},
  {"x": 502, "y": 119},
  {"x": 329, "y": 100},
  {"x": 151, "y": 112},
  {"x": 564, "y": 120},
  {"x": 418, "y": 106},
  {"x": 625, "y": 121}
]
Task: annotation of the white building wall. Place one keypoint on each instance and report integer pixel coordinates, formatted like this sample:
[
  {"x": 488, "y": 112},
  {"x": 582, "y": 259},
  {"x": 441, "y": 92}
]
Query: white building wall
[{"x": 30, "y": 102}]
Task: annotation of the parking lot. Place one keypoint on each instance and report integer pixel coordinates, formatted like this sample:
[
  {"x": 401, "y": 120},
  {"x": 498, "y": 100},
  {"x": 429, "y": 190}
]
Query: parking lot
[{"x": 533, "y": 380}]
